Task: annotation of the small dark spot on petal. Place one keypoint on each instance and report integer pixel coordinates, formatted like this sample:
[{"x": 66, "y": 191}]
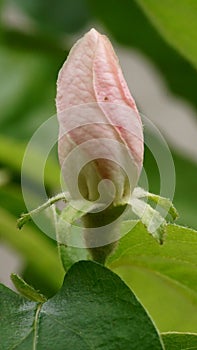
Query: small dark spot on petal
[{"x": 106, "y": 98}]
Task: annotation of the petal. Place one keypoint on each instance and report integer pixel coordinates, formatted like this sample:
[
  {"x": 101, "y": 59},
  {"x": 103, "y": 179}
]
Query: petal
[
  {"x": 74, "y": 84},
  {"x": 110, "y": 86}
]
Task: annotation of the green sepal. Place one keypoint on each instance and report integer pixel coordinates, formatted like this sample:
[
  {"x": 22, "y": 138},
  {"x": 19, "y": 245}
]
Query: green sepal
[
  {"x": 71, "y": 255},
  {"x": 152, "y": 220},
  {"x": 74, "y": 210},
  {"x": 28, "y": 216},
  {"x": 163, "y": 202},
  {"x": 68, "y": 234}
]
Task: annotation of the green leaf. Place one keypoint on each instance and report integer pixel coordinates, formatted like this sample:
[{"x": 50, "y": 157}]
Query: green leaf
[
  {"x": 93, "y": 310},
  {"x": 16, "y": 320},
  {"x": 177, "y": 341},
  {"x": 163, "y": 277},
  {"x": 26, "y": 290},
  {"x": 177, "y": 22}
]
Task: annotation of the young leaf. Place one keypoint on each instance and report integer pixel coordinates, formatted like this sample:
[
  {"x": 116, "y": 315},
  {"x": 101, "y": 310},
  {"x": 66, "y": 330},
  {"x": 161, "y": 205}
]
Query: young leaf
[{"x": 94, "y": 309}]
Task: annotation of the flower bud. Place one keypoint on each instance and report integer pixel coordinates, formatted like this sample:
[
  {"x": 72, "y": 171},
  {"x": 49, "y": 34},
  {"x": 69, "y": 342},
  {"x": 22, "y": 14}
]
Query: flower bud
[{"x": 98, "y": 118}]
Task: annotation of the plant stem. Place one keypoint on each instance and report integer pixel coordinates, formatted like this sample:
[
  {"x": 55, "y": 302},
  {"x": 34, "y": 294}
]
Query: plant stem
[{"x": 102, "y": 231}]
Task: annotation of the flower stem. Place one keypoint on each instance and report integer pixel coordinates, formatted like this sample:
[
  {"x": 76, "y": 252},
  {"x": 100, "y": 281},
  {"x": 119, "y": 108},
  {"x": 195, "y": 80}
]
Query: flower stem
[{"x": 102, "y": 232}]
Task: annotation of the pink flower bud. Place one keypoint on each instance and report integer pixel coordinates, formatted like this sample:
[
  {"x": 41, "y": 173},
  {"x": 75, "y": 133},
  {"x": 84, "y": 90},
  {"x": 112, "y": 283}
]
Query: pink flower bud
[{"x": 98, "y": 115}]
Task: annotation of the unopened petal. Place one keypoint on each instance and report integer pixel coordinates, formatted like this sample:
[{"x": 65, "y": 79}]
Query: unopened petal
[{"x": 75, "y": 85}]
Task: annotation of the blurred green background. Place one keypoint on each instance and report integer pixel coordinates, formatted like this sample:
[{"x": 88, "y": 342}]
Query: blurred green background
[{"x": 157, "y": 45}]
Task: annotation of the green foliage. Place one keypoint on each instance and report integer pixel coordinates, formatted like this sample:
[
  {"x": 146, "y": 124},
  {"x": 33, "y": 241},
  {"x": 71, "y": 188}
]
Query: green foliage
[
  {"x": 177, "y": 22},
  {"x": 169, "y": 273},
  {"x": 93, "y": 309},
  {"x": 177, "y": 341}
]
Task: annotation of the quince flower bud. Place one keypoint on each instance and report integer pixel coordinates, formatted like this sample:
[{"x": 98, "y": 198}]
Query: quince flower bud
[{"x": 98, "y": 116}]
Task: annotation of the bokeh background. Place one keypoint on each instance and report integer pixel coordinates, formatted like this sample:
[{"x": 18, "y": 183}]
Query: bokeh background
[{"x": 159, "y": 66}]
